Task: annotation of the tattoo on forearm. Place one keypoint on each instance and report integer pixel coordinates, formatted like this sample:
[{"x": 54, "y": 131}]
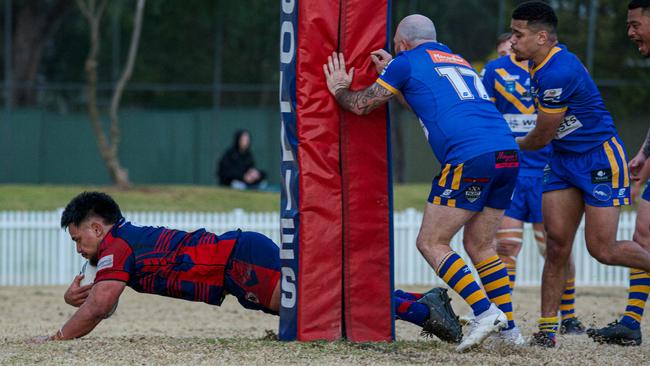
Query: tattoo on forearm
[
  {"x": 646, "y": 145},
  {"x": 363, "y": 101}
]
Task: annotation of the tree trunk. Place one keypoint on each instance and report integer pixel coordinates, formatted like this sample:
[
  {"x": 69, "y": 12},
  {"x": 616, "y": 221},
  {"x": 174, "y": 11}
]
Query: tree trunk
[
  {"x": 35, "y": 24},
  {"x": 108, "y": 150}
]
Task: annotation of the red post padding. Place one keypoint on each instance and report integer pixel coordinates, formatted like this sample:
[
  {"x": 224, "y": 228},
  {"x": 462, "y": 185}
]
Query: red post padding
[
  {"x": 367, "y": 245},
  {"x": 320, "y": 197}
]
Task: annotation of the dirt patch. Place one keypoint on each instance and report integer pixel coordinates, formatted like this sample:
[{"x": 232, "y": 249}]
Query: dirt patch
[{"x": 150, "y": 329}]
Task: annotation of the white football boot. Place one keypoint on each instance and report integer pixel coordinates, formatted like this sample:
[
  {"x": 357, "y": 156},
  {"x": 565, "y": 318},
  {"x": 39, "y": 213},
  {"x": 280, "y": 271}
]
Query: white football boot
[
  {"x": 511, "y": 337},
  {"x": 490, "y": 321}
]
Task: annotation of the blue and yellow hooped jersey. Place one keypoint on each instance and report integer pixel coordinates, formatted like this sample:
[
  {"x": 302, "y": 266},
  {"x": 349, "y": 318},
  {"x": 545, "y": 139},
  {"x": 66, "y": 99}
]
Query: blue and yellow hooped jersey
[
  {"x": 448, "y": 97},
  {"x": 507, "y": 81},
  {"x": 561, "y": 83}
]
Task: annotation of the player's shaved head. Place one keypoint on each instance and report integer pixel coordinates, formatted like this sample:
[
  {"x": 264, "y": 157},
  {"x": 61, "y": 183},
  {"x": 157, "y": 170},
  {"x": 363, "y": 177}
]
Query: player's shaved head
[{"x": 416, "y": 27}]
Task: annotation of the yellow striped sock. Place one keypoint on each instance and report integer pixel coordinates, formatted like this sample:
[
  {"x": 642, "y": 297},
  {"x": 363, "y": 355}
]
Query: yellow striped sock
[
  {"x": 636, "y": 298},
  {"x": 568, "y": 304},
  {"x": 458, "y": 276},
  {"x": 496, "y": 283}
]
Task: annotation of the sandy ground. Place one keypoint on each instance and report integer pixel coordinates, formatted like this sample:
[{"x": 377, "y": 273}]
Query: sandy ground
[{"x": 153, "y": 330}]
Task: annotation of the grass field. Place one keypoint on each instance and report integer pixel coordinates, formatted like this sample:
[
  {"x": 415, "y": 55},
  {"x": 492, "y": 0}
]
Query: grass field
[
  {"x": 174, "y": 198},
  {"x": 153, "y": 330}
]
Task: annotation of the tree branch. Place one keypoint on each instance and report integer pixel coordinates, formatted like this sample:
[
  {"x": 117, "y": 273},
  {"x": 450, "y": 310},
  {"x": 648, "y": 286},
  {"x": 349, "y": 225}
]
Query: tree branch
[{"x": 126, "y": 75}]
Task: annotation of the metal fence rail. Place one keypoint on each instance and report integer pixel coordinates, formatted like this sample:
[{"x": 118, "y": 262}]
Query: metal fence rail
[{"x": 35, "y": 251}]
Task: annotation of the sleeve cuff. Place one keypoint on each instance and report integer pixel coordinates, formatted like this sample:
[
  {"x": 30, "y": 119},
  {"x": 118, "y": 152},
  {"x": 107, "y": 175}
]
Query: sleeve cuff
[
  {"x": 552, "y": 110},
  {"x": 388, "y": 87}
]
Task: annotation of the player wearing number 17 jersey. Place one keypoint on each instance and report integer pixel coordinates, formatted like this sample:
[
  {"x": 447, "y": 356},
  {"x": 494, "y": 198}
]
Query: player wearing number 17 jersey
[{"x": 479, "y": 160}]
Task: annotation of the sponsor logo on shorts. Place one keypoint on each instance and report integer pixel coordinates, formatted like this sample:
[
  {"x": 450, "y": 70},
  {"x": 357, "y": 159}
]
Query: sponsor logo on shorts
[
  {"x": 506, "y": 159},
  {"x": 601, "y": 176},
  {"x": 621, "y": 192},
  {"x": 602, "y": 192},
  {"x": 105, "y": 262},
  {"x": 472, "y": 193},
  {"x": 446, "y": 193}
]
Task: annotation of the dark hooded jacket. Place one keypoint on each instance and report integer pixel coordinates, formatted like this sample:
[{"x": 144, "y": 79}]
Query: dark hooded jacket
[{"x": 234, "y": 163}]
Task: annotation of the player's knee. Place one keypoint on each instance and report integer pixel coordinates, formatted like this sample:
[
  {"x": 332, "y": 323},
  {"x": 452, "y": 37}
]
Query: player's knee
[
  {"x": 508, "y": 248},
  {"x": 557, "y": 250},
  {"x": 601, "y": 254},
  {"x": 423, "y": 245}
]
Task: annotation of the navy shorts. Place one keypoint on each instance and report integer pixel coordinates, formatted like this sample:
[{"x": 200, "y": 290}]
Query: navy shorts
[
  {"x": 646, "y": 193},
  {"x": 526, "y": 203},
  {"x": 253, "y": 271},
  {"x": 487, "y": 180},
  {"x": 601, "y": 174}
]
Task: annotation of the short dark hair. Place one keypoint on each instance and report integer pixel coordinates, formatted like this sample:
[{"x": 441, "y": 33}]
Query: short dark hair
[
  {"x": 537, "y": 13},
  {"x": 635, "y": 4},
  {"x": 503, "y": 37},
  {"x": 90, "y": 203}
]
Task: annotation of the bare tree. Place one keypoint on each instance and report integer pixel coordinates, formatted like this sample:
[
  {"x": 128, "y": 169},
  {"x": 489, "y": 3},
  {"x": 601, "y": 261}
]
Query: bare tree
[
  {"x": 108, "y": 148},
  {"x": 36, "y": 23}
]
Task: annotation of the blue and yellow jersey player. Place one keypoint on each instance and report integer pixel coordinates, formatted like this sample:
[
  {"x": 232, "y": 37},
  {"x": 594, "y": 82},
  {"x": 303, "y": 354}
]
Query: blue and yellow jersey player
[
  {"x": 626, "y": 331},
  {"x": 479, "y": 159},
  {"x": 195, "y": 266},
  {"x": 507, "y": 81},
  {"x": 588, "y": 171}
]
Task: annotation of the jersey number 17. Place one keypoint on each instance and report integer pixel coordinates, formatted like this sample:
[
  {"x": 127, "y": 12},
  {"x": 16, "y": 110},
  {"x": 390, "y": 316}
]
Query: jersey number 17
[{"x": 456, "y": 76}]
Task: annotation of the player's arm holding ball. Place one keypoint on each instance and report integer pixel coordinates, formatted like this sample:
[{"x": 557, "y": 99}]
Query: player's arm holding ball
[{"x": 76, "y": 294}]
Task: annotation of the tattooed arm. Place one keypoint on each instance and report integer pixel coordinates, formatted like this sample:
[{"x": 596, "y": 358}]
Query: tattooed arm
[
  {"x": 338, "y": 83},
  {"x": 363, "y": 101}
]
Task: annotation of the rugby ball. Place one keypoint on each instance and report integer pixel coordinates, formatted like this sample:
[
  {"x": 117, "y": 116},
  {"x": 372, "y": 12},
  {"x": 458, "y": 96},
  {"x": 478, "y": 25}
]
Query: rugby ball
[{"x": 89, "y": 271}]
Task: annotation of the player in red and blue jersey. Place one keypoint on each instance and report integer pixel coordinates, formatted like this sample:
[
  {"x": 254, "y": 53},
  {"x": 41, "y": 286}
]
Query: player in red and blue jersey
[
  {"x": 507, "y": 81},
  {"x": 479, "y": 159},
  {"x": 195, "y": 266},
  {"x": 588, "y": 169},
  {"x": 627, "y": 330}
]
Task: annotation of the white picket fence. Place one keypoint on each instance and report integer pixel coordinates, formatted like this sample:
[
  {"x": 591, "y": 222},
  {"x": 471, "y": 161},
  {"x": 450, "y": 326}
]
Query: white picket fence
[{"x": 35, "y": 251}]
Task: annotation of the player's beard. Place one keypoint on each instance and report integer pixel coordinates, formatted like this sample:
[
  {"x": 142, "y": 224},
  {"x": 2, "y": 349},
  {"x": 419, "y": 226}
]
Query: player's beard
[{"x": 93, "y": 260}]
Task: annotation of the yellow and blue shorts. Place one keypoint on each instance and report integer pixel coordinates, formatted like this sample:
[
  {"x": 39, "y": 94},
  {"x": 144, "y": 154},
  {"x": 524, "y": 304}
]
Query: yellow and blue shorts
[
  {"x": 601, "y": 174},
  {"x": 526, "y": 203},
  {"x": 487, "y": 180}
]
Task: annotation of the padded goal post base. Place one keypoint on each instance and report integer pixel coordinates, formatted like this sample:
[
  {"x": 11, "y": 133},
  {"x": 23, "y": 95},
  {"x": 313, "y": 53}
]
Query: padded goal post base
[{"x": 336, "y": 214}]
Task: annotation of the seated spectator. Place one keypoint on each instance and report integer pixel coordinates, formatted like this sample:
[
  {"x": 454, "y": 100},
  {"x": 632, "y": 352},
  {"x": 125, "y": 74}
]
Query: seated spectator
[{"x": 236, "y": 168}]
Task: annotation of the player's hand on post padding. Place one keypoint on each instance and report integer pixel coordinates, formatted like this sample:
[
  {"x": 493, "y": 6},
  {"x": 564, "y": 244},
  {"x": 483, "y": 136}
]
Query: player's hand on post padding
[
  {"x": 76, "y": 294},
  {"x": 335, "y": 74},
  {"x": 380, "y": 58}
]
